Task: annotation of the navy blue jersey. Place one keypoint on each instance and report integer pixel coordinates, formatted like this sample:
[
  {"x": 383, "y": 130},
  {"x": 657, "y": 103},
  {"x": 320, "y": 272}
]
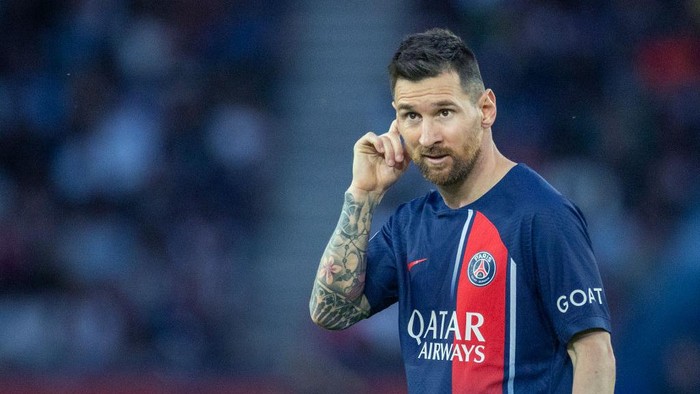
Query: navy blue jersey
[{"x": 491, "y": 293}]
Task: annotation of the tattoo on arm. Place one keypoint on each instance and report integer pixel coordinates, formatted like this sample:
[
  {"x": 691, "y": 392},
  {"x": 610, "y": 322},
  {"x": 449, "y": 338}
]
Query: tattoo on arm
[{"x": 337, "y": 300}]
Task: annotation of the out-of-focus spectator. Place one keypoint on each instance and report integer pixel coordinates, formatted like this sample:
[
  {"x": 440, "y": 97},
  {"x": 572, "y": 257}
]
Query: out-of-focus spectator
[{"x": 133, "y": 142}]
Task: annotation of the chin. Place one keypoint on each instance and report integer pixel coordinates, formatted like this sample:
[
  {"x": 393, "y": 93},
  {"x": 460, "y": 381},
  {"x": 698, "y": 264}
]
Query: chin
[
  {"x": 442, "y": 178},
  {"x": 445, "y": 177}
]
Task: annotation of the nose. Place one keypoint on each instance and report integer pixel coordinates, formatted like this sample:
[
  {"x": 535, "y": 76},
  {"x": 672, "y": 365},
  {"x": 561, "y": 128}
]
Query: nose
[{"x": 429, "y": 135}]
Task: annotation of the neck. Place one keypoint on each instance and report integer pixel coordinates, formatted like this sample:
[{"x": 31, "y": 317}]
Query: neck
[{"x": 489, "y": 169}]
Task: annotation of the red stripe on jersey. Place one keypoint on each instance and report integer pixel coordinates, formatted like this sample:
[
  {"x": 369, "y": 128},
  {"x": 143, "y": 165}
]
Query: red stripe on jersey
[{"x": 481, "y": 312}]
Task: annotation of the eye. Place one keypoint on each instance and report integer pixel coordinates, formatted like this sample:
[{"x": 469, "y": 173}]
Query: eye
[
  {"x": 445, "y": 112},
  {"x": 412, "y": 115}
]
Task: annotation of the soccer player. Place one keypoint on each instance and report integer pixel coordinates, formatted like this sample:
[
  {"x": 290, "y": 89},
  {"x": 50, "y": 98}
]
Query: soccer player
[{"x": 497, "y": 284}]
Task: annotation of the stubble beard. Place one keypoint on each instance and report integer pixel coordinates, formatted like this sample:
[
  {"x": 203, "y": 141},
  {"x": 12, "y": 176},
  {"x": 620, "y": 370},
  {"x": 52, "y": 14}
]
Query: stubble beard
[{"x": 459, "y": 170}]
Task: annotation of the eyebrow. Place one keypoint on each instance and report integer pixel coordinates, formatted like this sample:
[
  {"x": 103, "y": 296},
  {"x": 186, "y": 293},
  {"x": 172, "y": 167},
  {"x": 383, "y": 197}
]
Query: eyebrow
[
  {"x": 444, "y": 103},
  {"x": 404, "y": 107},
  {"x": 439, "y": 104}
]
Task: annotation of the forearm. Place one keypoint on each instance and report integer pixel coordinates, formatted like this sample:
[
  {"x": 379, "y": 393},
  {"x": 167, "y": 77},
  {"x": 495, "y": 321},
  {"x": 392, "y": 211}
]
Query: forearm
[
  {"x": 337, "y": 299},
  {"x": 594, "y": 367},
  {"x": 594, "y": 378}
]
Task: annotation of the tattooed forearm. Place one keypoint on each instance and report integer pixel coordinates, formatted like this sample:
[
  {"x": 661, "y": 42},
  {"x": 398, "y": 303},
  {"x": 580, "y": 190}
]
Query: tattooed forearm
[
  {"x": 332, "y": 310},
  {"x": 337, "y": 300}
]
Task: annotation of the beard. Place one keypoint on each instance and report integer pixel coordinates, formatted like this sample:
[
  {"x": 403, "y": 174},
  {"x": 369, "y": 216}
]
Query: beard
[{"x": 447, "y": 175}]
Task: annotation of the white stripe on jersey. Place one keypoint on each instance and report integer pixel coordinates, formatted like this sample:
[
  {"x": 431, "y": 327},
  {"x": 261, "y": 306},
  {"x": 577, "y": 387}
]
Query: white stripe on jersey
[
  {"x": 511, "y": 348},
  {"x": 458, "y": 258}
]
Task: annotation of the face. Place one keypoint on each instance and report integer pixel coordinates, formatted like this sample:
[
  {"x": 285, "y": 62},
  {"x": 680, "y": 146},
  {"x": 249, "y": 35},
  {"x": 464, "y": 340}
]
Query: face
[{"x": 441, "y": 125}]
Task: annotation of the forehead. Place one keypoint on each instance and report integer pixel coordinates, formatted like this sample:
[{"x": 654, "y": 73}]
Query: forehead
[{"x": 445, "y": 86}]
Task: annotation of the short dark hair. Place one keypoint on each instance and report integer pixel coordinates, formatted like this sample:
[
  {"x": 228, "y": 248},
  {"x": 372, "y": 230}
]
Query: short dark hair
[{"x": 429, "y": 54}]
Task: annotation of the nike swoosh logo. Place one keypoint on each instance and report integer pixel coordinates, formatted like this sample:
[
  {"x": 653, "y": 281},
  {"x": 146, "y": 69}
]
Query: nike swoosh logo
[{"x": 413, "y": 263}]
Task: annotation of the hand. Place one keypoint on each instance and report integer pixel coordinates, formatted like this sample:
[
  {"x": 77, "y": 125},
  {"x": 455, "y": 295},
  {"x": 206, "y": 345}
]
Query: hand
[{"x": 379, "y": 161}]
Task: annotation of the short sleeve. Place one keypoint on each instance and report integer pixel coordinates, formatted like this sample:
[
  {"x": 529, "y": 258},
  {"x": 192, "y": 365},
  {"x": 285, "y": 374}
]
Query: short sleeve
[
  {"x": 570, "y": 282},
  {"x": 381, "y": 282}
]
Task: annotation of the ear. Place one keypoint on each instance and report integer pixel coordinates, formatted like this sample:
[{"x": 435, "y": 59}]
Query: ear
[{"x": 487, "y": 105}]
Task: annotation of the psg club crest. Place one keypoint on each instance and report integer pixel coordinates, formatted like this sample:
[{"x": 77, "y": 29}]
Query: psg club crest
[{"x": 481, "y": 269}]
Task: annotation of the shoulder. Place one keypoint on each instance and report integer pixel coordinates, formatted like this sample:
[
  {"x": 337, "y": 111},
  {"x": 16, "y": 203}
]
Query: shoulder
[
  {"x": 535, "y": 190},
  {"x": 417, "y": 212},
  {"x": 429, "y": 201},
  {"x": 531, "y": 186},
  {"x": 524, "y": 193}
]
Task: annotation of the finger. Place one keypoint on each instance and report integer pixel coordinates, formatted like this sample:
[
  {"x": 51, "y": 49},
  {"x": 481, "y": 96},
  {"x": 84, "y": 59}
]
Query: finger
[
  {"x": 394, "y": 127},
  {"x": 389, "y": 153},
  {"x": 370, "y": 143},
  {"x": 395, "y": 139}
]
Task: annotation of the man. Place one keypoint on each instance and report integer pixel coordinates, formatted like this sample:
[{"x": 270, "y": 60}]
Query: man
[{"x": 497, "y": 285}]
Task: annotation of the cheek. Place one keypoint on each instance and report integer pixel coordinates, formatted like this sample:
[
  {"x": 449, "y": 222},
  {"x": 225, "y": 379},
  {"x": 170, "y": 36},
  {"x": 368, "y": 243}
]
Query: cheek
[
  {"x": 410, "y": 141},
  {"x": 410, "y": 149},
  {"x": 472, "y": 133}
]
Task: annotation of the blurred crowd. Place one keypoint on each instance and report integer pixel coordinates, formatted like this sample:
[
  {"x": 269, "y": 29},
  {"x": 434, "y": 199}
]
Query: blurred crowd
[
  {"x": 133, "y": 145},
  {"x": 135, "y": 139}
]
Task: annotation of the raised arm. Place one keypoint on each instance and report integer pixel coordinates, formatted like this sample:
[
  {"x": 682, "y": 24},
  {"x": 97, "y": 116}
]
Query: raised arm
[{"x": 337, "y": 299}]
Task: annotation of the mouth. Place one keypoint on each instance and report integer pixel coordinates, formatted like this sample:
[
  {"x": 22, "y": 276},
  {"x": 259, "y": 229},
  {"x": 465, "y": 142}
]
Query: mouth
[{"x": 435, "y": 159}]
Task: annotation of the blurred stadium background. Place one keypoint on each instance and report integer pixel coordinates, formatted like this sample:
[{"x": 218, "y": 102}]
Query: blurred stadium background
[{"x": 170, "y": 171}]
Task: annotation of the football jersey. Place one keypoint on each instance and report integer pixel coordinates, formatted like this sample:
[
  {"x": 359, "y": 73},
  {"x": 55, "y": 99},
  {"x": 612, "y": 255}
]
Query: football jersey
[{"x": 491, "y": 293}]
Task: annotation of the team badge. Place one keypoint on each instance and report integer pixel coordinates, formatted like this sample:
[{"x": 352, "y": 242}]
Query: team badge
[{"x": 481, "y": 269}]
